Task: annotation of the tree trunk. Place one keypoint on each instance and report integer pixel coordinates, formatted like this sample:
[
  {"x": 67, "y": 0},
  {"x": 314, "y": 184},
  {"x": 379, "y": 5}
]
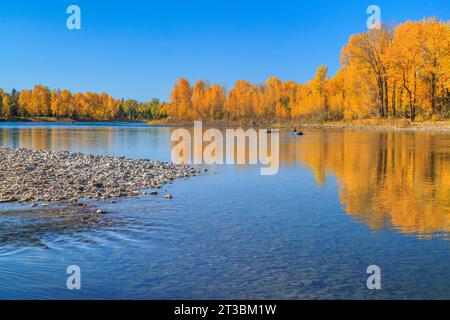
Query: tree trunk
[
  {"x": 393, "y": 99},
  {"x": 381, "y": 95},
  {"x": 433, "y": 93},
  {"x": 386, "y": 98}
]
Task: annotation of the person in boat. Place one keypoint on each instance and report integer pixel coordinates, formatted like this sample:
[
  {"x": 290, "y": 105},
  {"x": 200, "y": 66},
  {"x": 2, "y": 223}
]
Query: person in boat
[{"x": 297, "y": 132}]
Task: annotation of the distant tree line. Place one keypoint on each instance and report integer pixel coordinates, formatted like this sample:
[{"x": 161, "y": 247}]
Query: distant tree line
[
  {"x": 386, "y": 73},
  {"x": 43, "y": 102}
]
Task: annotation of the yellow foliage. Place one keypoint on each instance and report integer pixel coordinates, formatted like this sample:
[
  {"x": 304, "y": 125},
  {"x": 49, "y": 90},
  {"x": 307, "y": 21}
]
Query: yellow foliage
[{"x": 401, "y": 73}]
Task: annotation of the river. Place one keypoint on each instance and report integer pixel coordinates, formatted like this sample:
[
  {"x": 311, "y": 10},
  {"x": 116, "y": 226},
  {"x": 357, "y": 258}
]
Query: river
[{"x": 341, "y": 201}]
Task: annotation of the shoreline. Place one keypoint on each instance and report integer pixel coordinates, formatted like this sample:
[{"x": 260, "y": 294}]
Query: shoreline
[
  {"x": 31, "y": 176},
  {"x": 416, "y": 127},
  {"x": 357, "y": 125},
  {"x": 66, "y": 120}
]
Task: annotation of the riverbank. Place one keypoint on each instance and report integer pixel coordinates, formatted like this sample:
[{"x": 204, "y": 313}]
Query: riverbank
[
  {"x": 63, "y": 120},
  {"x": 49, "y": 176},
  {"x": 384, "y": 125},
  {"x": 367, "y": 124},
  {"x": 38, "y": 119}
]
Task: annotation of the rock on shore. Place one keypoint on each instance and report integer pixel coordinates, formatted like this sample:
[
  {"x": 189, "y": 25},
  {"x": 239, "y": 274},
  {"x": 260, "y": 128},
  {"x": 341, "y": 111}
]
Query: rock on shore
[{"x": 30, "y": 175}]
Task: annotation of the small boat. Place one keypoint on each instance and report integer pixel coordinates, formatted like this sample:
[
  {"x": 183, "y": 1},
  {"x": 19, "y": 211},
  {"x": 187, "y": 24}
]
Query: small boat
[{"x": 296, "y": 133}]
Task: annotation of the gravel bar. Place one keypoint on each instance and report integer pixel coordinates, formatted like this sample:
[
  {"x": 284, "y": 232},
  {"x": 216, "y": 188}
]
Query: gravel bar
[{"x": 49, "y": 176}]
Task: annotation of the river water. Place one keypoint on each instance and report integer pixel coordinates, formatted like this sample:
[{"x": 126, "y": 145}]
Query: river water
[{"x": 341, "y": 201}]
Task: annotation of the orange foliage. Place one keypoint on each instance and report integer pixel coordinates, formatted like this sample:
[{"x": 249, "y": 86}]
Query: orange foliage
[{"x": 401, "y": 72}]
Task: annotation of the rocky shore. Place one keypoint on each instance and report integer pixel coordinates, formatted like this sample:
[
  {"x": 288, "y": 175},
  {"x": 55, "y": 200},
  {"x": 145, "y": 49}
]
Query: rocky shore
[{"x": 49, "y": 176}]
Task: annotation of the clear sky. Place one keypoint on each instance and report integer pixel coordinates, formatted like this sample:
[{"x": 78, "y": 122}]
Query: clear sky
[{"x": 138, "y": 49}]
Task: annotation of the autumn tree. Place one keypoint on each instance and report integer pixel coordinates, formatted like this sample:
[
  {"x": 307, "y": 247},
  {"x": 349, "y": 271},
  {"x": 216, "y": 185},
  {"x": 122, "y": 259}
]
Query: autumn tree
[
  {"x": 2, "y": 93},
  {"x": 434, "y": 43},
  {"x": 215, "y": 99},
  {"x": 241, "y": 99},
  {"x": 405, "y": 58},
  {"x": 181, "y": 100},
  {"x": 366, "y": 52},
  {"x": 6, "y": 111}
]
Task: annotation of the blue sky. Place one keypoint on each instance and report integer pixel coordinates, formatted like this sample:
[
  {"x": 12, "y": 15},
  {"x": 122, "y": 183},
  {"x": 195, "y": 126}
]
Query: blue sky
[{"x": 138, "y": 49}]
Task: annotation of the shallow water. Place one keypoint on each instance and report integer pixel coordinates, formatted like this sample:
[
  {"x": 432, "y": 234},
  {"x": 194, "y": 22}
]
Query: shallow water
[{"x": 342, "y": 200}]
